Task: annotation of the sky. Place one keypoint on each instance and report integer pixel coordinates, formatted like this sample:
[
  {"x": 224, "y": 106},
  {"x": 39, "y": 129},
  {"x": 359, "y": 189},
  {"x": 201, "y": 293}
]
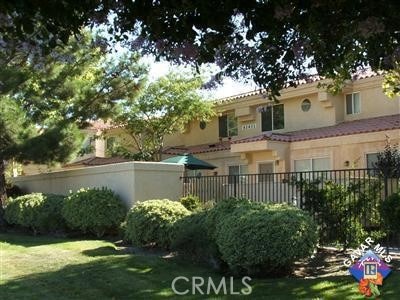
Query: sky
[{"x": 228, "y": 88}]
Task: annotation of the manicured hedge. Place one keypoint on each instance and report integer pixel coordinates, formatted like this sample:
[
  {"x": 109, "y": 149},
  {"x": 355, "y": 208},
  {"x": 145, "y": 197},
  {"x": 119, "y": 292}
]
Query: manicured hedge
[
  {"x": 96, "y": 211},
  {"x": 247, "y": 237},
  {"x": 191, "y": 202},
  {"x": 38, "y": 212},
  {"x": 265, "y": 239},
  {"x": 151, "y": 222}
]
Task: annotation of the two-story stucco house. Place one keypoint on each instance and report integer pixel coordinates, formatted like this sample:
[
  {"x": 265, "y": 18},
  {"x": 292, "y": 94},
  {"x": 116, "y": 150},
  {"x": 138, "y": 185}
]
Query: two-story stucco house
[{"x": 309, "y": 129}]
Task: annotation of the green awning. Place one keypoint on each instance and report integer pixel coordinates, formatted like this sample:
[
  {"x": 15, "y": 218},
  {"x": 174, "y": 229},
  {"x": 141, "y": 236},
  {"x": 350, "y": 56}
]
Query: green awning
[{"x": 190, "y": 162}]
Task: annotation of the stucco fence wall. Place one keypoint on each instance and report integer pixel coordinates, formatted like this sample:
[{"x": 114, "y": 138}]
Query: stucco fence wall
[{"x": 132, "y": 181}]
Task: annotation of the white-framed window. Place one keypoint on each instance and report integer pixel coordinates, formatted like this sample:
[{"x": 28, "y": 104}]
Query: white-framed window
[
  {"x": 266, "y": 170},
  {"x": 228, "y": 125},
  {"x": 273, "y": 117},
  {"x": 312, "y": 164},
  {"x": 236, "y": 170},
  {"x": 353, "y": 103}
]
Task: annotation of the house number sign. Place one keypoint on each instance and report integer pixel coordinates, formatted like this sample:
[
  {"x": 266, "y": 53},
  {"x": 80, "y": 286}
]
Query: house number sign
[{"x": 249, "y": 126}]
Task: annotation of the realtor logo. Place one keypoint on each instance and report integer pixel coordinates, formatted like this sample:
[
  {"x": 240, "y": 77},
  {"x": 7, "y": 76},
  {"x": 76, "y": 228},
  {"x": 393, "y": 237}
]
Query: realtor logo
[{"x": 370, "y": 271}]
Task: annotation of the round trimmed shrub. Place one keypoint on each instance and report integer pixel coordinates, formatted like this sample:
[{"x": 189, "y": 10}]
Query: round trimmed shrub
[
  {"x": 151, "y": 222},
  {"x": 265, "y": 239},
  {"x": 37, "y": 212},
  {"x": 191, "y": 202},
  {"x": 94, "y": 210}
]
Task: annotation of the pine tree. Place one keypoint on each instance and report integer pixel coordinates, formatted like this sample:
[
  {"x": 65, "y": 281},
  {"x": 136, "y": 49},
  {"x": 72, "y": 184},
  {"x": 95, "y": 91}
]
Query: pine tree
[{"x": 46, "y": 100}]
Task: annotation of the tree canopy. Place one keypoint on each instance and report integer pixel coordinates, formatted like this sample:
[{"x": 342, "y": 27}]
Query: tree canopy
[{"x": 275, "y": 43}]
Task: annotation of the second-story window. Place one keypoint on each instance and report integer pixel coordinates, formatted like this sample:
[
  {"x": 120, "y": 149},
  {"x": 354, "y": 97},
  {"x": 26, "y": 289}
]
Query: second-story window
[
  {"x": 228, "y": 125},
  {"x": 353, "y": 104},
  {"x": 273, "y": 118}
]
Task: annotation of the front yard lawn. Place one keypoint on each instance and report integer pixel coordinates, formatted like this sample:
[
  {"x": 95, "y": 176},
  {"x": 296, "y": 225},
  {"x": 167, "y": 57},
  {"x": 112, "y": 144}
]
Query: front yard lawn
[{"x": 55, "y": 268}]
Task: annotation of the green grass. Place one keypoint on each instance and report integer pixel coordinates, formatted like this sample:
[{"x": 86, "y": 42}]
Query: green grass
[{"x": 53, "y": 268}]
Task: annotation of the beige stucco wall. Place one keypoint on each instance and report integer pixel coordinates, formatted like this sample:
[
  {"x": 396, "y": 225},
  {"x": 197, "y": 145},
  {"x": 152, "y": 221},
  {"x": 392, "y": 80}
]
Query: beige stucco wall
[
  {"x": 132, "y": 181},
  {"x": 222, "y": 160},
  {"x": 374, "y": 103},
  {"x": 351, "y": 148}
]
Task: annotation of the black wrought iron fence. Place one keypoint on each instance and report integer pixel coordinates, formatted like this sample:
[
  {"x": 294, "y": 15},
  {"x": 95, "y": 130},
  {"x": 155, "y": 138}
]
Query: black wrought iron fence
[{"x": 335, "y": 198}]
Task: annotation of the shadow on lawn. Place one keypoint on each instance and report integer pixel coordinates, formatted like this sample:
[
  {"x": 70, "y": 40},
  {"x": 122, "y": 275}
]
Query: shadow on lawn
[
  {"x": 105, "y": 251},
  {"x": 25, "y": 240},
  {"x": 140, "y": 277}
]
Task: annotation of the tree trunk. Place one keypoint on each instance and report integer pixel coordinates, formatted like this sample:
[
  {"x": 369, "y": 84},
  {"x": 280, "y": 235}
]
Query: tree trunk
[{"x": 3, "y": 193}]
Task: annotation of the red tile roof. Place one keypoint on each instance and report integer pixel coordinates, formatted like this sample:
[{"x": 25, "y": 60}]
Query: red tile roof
[
  {"x": 98, "y": 161},
  {"x": 220, "y": 146},
  {"x": 341, "y": 129}
]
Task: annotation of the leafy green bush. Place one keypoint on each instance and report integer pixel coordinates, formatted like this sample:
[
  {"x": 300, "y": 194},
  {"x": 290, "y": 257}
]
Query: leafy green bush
[
  {"x": 265, "y": 239},
  {"x": 38, "y": 212},
  {"x": 151, "y": 222},
  {"x": 96, "y": 211},
  {"x": 194, "y": 235},
  {"x": 191, "y": 202},
  {"x": 339, "y": 210},
  {"x": 390, "y": 210},
  {"x": 191, "y": 238}
]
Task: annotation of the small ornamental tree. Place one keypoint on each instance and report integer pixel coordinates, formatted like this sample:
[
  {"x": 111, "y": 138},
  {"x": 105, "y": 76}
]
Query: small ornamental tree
[
  {"x": 164, "y": 107},
  {"x": 388, "y": 162}
]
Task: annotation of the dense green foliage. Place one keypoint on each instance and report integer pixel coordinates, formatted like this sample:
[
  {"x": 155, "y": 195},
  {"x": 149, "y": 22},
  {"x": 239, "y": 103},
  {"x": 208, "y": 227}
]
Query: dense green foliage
[
  {"x": 272, "y": 42},
  {"x": 244, "y": 237},
  {"x": 191, "y": 202},
  {"x": 390, "y": 210},
  {"x": 46, "y": 99},
  {"x": 96, "y": 211},
  {"x": 221, "y": 210},
  {"x": 195, "y": 235},
  {"x": 388, "y": 161},
  {"x": 38, "y": 212},
  {"x": 343, "y": 212},
  {"x": 151, "y": 222},
  {"x": 191, "y": 238}
]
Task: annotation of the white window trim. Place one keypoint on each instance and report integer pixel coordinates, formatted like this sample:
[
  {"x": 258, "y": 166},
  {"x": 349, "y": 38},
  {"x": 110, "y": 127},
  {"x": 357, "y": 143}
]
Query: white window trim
[
  {"x": 311, "y": 158},
  {"x": 352, "y": 103}
]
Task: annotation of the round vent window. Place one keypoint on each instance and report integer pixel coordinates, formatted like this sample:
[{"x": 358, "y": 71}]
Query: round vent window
[
  {"x": 305, "y": 105},
  {"x": 203, "y": 125}
]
